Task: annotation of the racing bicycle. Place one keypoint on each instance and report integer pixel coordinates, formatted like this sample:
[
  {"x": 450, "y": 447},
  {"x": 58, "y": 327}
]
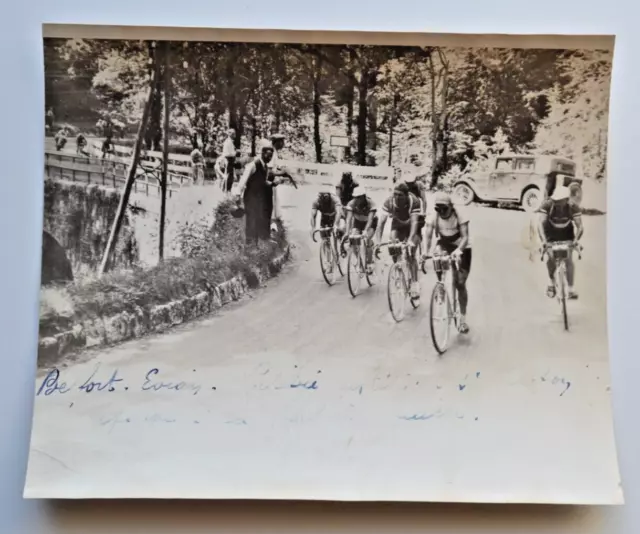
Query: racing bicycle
[
  {"x": 329, "y": 254},
  {"x": 357, "y": 264},
  {"x": 399, "y": 279},
  {"x": 444, "y": 308},
  {"x": 560, "y": 251}
]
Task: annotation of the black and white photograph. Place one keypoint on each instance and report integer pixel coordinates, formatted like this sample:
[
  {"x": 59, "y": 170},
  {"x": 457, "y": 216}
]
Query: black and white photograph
[{"x": 324, "y": 266}]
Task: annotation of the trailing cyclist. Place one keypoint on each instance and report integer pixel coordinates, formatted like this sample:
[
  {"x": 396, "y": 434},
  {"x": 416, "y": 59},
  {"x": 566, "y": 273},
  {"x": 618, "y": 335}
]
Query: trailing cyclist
[
  {"x": 451, "y": 226},
  {"x": 344, "y": 191},
  {"x": 362, "y": 219},
  {"x": 329, "y": 207},
  {"x": 404, "y": 208},
  {"x": 561, "y": 220}
]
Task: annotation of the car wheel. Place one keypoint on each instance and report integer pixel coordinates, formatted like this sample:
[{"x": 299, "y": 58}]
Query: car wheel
[
  {"x": 463, "y": 194},
  {"x": 531, "y": 200}
]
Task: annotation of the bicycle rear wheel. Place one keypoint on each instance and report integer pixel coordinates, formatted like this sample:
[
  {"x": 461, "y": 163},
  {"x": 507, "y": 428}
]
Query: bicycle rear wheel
[
  {"x": 562, "y": 295},
  {"x": 326, "y": 263},
  {"x": 354, "y": 273},
  {"x": 397, "y": 292},
  {"x": 440, "y": 316}
]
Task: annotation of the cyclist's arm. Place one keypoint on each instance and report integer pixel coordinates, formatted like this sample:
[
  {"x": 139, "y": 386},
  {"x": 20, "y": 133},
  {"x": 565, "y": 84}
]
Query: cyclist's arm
[
  {"x": 415, "y": 217},
  {"x": 429, "y": 226},
  {"x": 542, "y": 220},
  {"x": 314, "y": 213},
  {"x": 464, "y": 233},
  {"x": 349, "y": 221},
  {"x": 381, "y": 224},
  {"x": 577, "y": 221},
  {"x": 372, "y": 214}
]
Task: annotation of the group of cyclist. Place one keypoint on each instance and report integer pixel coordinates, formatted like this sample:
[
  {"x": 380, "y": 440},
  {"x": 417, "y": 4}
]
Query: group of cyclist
[{"x": 348, "y": 209}]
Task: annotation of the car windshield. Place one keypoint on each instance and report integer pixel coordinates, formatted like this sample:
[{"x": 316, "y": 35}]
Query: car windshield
[{"x": 504, "y": 165}]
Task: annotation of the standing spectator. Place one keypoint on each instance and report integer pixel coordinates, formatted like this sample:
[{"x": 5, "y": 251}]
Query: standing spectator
[
  {"x": 229, "y": 152},
  {"x": 221, "y": 171},
  {"x": 256, "y": 188},
  {"x": 81, "y": 143},
  {"x": 107, "y": 147},
  {"x": 197, "y": 166},
  {"x": 61, "y": 139},
  {"x": 49, "y": 119}
]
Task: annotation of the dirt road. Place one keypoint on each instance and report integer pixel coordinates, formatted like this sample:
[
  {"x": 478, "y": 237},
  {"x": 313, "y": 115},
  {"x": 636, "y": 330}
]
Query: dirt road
[{"x": 304, "y": 392}]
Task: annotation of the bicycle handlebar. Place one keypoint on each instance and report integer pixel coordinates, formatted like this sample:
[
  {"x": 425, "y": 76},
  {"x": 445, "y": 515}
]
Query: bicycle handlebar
[
  {"x": 446, "y": 258},
  {"x": 560, "y": 245},
  {"x": 324, "y": 229}
]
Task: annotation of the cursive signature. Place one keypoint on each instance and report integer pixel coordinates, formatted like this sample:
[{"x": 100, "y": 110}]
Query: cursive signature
[
  {"x": 151, "y": 385},
  {"x": 51, "y": 384},
  {"x": 110, "y": 385}
]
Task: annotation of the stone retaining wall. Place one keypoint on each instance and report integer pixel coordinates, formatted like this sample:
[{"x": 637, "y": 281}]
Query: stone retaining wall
[{"x": 126, "y": 325}]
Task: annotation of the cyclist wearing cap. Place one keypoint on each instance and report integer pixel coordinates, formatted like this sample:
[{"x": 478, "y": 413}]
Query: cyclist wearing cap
[
  {"x": 561, "y": 220},
  {"x": 345, "y": 185},
  {"x": 417, "y": 188},
  {"x": 329, "y": 207},
  {"x": 451, "y": 226},
  {"x": 362, "y": 219},
  {"x": 405, "y": 210}
]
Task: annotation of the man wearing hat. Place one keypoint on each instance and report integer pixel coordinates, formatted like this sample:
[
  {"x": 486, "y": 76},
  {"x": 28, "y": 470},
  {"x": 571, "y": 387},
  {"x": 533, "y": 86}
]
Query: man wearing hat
[
  {"x": 256, "y": 189},
  {"x": 561, "y": 220},
  {"x": 229, "y": 153},
  {"x": 451, "y": 226}
]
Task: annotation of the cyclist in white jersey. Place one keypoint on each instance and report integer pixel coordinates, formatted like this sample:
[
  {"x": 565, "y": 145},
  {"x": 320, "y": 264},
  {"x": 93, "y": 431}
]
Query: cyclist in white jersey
[{"x": 451, "y": 226}]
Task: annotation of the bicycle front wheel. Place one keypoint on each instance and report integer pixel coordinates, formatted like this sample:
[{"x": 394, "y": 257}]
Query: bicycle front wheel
[
  {"x": 354, "y": 273},
  {"x": 440, "y": 316},
  {"x": 326, "y": 263},
  {"x": 397, "y": 292},
  {"x": 338, "y": 258},
  {"x": 365, "y": 267}
]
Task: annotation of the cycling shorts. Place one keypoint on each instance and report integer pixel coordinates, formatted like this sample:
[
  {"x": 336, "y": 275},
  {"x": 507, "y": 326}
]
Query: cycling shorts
[
  {"x": 553, "y": 234},
  {"x": 360, "y": 225},
  {"x": 465, "y": 260},
  {"x": 327, "y": 220}
]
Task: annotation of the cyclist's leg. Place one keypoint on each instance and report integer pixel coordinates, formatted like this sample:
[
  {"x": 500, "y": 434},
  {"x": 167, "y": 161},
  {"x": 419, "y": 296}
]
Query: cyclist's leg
[
  {"x": 369, "y": 239},
  {"x": 551, "y": 262},
  {"x": 461, "y": 276},
  {"x": 571, "y": 270}
]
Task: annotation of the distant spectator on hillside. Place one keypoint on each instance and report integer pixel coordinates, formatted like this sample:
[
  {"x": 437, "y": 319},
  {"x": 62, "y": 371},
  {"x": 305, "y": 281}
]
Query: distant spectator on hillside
[
  {"x": 107, "y": 147},
  {"x": 49, "y": 119},
  {"x": 221, "y": 171},
  {"x": 229, "y": 152},
  {"x": 61, "y": 139},
  {"x": 81, "y": 143},
  {"x": 197, "y": 166}
]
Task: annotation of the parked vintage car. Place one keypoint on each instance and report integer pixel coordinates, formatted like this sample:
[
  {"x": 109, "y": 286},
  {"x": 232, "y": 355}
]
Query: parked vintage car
[{"x": 519, "y": 179}]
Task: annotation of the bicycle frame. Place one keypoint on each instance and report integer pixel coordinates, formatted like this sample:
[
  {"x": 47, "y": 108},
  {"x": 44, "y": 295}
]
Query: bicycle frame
[
  {"x": 400, "y": 270},
  {"x": 560, "y": 252},
  {"x": 445, "y": 267},
  {"x": 329, "y": 239}
]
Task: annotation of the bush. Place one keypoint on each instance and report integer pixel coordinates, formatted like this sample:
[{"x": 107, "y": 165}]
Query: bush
[{"x": 210, "y": 256}]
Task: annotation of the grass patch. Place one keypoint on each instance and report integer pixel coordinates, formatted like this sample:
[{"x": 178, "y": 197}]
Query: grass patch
[{"x": 210, "y": 256}]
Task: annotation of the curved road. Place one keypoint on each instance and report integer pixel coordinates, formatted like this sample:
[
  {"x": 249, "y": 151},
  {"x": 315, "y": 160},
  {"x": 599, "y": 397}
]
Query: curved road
[{"x": 305, "y": 392}]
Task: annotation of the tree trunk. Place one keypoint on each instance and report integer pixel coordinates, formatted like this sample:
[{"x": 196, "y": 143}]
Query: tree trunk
[
  {"x": 131, "y": 177},
  {"x": 363, "y": 85},
  {"x": 435, "y": 127},
  {"x": 317, "y": 108},
  {"x": 166, "y": 82},
  {"x": 392, "y": 124},
  {"x": 350, "y": 98},
  {"x": 254, "y": 135}
]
